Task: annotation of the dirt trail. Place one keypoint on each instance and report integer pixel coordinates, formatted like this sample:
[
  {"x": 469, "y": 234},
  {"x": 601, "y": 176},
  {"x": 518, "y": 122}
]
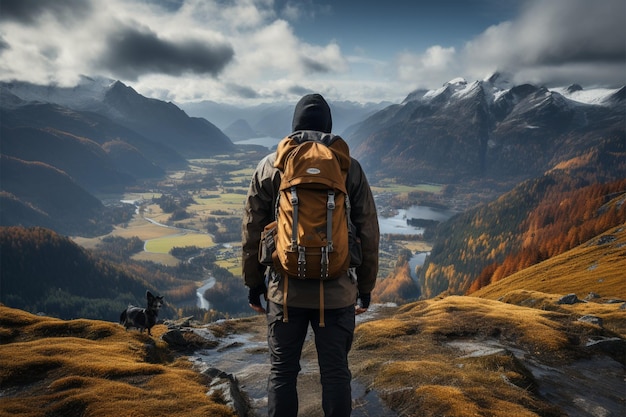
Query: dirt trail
[{"x": 246, "y": 357}]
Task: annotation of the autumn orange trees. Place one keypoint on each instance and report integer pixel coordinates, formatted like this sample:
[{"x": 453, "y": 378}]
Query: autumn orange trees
[{"x": 563, "y": 219}]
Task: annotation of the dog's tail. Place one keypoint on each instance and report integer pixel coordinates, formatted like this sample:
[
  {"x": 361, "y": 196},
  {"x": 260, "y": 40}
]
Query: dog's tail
[{"x": 123, "y": 317}]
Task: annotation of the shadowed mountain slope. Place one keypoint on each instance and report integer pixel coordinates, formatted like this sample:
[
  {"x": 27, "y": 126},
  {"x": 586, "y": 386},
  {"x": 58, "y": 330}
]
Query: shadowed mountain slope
[
  {"x": 481, "y": 132},
  {"x": 45, "y": 272},
  {"x": 49, "y": 195}
]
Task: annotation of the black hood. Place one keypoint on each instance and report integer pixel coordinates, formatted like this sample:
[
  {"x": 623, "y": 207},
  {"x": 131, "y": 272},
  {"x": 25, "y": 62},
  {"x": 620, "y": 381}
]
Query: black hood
[{"x": 312, "y": 113}]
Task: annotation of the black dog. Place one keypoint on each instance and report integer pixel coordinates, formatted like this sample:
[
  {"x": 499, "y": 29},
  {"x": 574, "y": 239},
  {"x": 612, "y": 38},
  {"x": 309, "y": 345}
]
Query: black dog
[{"x": 142, "y": 318}]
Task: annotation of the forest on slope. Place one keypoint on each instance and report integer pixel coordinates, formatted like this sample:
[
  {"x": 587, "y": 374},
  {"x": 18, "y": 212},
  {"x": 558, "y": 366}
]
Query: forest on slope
[
  {"x": 537, "y": 220},
  {"x": 44, "y": 272}
]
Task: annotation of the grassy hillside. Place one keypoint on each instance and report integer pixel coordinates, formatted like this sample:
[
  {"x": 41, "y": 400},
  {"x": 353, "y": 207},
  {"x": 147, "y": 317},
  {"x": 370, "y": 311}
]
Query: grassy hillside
[
  {"x": 453, "y": 356},
  {"x": 51, "y": 198},
  {"x": 92, "y": 368},
  {"x": 424, "y": 374},
  {"x": 597, "y": 266}
]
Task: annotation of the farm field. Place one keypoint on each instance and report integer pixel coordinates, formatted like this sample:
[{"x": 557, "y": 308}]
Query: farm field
[{"x": 213, "y": 191}]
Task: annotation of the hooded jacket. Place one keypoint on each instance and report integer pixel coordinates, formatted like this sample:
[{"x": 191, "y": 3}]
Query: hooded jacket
[{"x": 311, "y": 121}]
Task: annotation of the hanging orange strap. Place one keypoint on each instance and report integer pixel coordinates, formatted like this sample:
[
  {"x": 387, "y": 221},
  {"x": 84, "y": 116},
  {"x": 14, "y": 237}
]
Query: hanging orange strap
[
  {"x": 322, "y": 324},
  {"x": 285, "y": 288}
]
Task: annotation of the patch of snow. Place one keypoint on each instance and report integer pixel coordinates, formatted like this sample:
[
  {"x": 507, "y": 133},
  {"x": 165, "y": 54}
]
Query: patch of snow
[
  {"x": 591, "y": 96},
  {"x": 458, "y": 80},
  {"x": 430, "y": 94},
  {"x": 498, "y": 93},
  {"x": 466, "y": 90}
]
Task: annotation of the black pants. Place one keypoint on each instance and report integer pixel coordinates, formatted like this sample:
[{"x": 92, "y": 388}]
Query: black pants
[{"x": 333, "y": 342}]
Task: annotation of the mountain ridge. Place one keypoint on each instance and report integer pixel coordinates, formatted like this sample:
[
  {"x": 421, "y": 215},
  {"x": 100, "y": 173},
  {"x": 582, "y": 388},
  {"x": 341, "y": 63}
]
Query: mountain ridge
[
  {"x": 105, "y": 136},
  {"x": 479, "y": 132}
]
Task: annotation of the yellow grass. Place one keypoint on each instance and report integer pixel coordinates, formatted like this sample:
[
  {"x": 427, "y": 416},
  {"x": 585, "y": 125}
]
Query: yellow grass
[
  {"x": 407, "y": 357},
  {"x": 93, "y": 368},
  {"x": 142, "y": 229},
  {"x": 233, "y": 265},
  {"x": 159, "y": 258},
  {"x": 230, "y": 202},
  {"x": 589, "y": 267},
  {"x": 415, "y": 245}
]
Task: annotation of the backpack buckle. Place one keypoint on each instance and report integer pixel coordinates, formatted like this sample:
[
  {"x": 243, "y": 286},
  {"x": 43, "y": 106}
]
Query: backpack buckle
[
  {"x": 294, "y": 196},
  {"x": 330, "y": 204},
  {"x": 324, "y": 262},
  {"x": 301, "y": 262}
]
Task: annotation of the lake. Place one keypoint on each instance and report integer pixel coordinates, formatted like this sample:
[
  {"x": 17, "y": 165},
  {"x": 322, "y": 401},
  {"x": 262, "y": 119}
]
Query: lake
[
  {"x": 398, "y": 224},
  {"x": 268, "y": 142}
]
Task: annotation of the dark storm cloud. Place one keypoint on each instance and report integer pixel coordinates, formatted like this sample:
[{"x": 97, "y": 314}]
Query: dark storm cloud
[
  {"x": 131, "y": 53},
  {"x": 28, "y": 11},
  {"x": 557, "y": 42},
  {"x": 312, "y": 66},
  {"x": 581, "y": 31}
]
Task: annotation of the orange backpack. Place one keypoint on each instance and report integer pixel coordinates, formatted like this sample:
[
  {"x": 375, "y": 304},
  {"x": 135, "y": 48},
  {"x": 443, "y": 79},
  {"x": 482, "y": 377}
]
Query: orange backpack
[{"x": 313, "y": 208}]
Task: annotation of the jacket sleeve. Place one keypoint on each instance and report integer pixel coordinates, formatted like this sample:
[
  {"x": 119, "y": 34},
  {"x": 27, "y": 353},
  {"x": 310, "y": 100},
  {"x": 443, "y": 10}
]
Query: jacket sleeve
[
  {"x": 258, "y": 212},
  {"x": 364, "y": 216}
]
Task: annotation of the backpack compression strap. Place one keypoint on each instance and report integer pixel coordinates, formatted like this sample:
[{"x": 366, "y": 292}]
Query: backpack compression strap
[
  {"x": 294, "y": 235},
  {"x": 294, "y": 229},
  {"x": 330, "y": 206}
]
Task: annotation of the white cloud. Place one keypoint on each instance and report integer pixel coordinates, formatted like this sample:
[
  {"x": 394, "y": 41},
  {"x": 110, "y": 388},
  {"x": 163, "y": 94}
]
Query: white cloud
[
  {"x": 434, "y": 67},
  {"x": 248, "y": 49},
  {"x": 557, "y": 42},
  {"x": 219, "y": 47}
]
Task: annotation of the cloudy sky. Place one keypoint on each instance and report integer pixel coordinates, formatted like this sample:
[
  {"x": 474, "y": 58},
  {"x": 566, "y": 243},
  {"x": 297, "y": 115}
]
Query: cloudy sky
[{"x": 250, "y": 51}]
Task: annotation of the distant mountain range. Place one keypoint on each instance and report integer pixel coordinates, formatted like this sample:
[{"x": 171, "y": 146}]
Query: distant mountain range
[
  {"x": 156, "y": 121},
  {"x": 487, "y": 130},
  {"x": 100, "y": 136},
  {"x": 274, "y": 119},
  {"x": 104, "y": 136}
]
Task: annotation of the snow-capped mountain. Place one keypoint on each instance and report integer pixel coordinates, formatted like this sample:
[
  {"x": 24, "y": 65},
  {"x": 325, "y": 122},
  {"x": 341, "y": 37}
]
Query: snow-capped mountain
[
  {"x": 86, "y": 95},
  {"x": 487, "y": 129},
  {"x": 495, "y": 86}
]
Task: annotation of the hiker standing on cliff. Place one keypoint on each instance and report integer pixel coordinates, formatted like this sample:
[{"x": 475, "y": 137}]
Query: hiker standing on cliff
[{"x": 323, "y": 286}]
